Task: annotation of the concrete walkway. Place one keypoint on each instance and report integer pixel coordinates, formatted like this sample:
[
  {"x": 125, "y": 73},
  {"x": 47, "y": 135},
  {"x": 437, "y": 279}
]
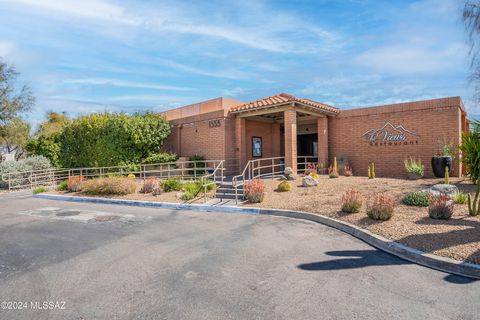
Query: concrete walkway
[{"x": 168, "y": 264}]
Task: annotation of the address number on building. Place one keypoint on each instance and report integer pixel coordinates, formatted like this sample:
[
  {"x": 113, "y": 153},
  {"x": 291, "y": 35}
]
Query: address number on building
[{"x": 214, "y": 123}]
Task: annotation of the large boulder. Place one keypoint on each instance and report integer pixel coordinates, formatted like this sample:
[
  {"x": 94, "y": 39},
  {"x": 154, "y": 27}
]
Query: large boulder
[
  {"x": 309, "y": 181},
  {"x": 447, "y": 189}
]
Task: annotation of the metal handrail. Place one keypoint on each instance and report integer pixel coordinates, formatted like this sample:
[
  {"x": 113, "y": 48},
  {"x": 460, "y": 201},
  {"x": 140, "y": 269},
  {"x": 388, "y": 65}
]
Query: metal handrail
[
  {"x": 255, "y": 172},
  {"x": 32, "y": 178},
  {"x": 203, "y": 180}
]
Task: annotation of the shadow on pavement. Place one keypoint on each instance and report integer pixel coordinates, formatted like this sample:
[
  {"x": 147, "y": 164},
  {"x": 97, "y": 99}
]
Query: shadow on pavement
[{"x": 352, "y": 259}]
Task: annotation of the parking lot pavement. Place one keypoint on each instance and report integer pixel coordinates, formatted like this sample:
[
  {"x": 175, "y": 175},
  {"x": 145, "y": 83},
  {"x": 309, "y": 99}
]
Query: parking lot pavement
[{"x": 118, "y": 262}]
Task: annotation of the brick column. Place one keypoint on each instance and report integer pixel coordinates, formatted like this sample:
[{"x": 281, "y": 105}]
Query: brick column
[
  {"x": 240, "y": 143},
  {"x": 322, "y": 130},
  {"x": 290, "y": 119},
  {"x": 276, "y": 140}
]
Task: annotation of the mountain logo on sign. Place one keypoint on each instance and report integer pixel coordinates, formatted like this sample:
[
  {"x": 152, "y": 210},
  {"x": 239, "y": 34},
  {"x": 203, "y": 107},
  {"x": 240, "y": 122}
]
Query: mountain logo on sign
[{"x": 388, "y": 133}]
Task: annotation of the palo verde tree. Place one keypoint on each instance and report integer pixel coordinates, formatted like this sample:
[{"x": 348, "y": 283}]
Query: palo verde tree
[{"x": 14, "y": 136}]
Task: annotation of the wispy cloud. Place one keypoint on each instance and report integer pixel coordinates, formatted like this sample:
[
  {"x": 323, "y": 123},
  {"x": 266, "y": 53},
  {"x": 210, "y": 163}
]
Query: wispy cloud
[{"x": 126, "y": 84}]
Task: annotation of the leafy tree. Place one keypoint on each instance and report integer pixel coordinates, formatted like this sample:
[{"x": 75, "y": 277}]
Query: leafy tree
[
  {"x": 14, "y": 136},
  {"x": 13, "y": 100},
  {"x": 46, "y": 142}
]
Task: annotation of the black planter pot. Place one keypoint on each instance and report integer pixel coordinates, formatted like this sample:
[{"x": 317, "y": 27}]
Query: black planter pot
[{"x": 439, "y": 164}]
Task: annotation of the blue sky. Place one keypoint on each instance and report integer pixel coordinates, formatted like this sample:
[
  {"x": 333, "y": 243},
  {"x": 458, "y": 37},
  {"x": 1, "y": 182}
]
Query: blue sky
[{"x": 96, "y": 55}]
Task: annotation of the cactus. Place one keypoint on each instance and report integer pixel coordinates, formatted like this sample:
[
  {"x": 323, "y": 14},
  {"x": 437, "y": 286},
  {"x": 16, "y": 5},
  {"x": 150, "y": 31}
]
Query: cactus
[
  {"x": 369, "y": 172},
  {"x": 373, "y": 170},
  {"x": 474, "y": 208},
  {"x": 447, "y": 176},
  {"x": 335, "y": 164}
]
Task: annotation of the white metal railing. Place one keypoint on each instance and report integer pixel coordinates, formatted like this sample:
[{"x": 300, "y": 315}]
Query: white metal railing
[
  {"x": 217, "y": 172},
  {"x": 184, "y": 169},
  {"x": 258, "y": 168},
  {"x": 304, "y": 161}
]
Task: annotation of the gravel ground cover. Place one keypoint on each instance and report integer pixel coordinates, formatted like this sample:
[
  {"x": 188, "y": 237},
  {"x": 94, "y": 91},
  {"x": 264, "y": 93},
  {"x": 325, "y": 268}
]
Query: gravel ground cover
[{"x": 457, "y": 238}]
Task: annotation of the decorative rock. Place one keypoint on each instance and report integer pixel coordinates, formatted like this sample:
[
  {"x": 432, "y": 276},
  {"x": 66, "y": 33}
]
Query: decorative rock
[
  {"x": 289, "y": 173},
  {"x": 309, "y": 181},
  {"x": 438, "y": 189}
]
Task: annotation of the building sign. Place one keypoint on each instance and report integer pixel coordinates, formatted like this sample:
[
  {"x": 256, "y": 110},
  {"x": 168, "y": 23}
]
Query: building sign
[
  {"x": 391, "y": 135},
  {"x": 214, "y": 123}
]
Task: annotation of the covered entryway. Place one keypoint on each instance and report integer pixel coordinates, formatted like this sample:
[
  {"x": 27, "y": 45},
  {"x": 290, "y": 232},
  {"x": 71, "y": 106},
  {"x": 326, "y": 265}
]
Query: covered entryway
[{"x": 283, "y": 125}]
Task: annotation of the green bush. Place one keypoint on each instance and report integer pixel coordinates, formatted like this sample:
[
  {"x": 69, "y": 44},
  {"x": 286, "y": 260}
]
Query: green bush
[
  {"x": 40, "y": 189},
  {"x": 470, "y": 148},
  {"x": 109, "y": 185},
  {"x": 198, "y": 163},
  {"x": 111, "y": 139},
  {"x": 160, "y": 158},
  {"x": 172, "y": 184},
  {"x": 194, "y": 187},
  {"x": 186, "y": 196},
  {"x": 47, "y": 146},
  {"x": 62, "y": 186},
  {"x": 460, "y": 197},
  {"x": 284, "y": 186},
  {"x": 416, "y": 198}
]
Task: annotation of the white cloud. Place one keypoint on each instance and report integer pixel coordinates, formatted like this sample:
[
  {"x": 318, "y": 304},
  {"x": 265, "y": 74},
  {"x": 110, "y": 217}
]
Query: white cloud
[
  {"x": 410, "y": 58},
  {"x": 253, "y": 29},
  {"x": 127, "y": 84}
]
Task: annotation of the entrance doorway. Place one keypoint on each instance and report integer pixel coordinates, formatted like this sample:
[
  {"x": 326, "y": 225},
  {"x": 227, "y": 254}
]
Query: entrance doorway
[{"x": 307, "y": 145}]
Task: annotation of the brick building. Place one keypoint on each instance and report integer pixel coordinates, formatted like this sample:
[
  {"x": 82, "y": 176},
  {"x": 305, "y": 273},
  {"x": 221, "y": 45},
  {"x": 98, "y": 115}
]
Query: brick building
[{"x": 297, "y": 128}]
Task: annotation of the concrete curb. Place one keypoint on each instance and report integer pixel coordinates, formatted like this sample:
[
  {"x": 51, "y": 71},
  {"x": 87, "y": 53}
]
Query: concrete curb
[
  {"x": 397, "y": 249},
  {"x": 149, "y": 204}
]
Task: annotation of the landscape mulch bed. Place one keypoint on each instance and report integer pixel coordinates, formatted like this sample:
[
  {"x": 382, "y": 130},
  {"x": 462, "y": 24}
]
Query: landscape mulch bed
[
  {"x": 164, "y": 197},
  {"x": 457, "y": 238}
]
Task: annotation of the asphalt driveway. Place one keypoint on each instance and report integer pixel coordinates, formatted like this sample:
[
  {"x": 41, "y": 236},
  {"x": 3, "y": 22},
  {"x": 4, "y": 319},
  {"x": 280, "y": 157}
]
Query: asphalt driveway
[{"x": 139, "y": 263}]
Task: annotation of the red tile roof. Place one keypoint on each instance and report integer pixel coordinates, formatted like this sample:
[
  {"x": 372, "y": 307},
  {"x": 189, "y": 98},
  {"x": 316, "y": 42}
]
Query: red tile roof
[{"x": 280, "y": 99}]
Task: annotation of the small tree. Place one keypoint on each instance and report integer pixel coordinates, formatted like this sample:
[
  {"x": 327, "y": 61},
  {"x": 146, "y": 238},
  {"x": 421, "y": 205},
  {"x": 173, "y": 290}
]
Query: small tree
[
  {"x": 14, "y": 136},
  {"x": 13, "y": 100}
]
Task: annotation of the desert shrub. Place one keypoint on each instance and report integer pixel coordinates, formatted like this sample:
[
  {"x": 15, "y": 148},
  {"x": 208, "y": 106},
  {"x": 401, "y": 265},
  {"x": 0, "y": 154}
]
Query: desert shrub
[
  {"x": 157, "y": 191},
  {"x": 109, "y": 185},
  {"x": 19, "y": 170},
  {"x": 160, "y": 158},
  {"x": 381, "y": 207},
  {"x": 149, "y": 185},
  {"x": 284, "y": 186},
  {"x": 194, "y": 187},
  {"x": 352, "y": 201},
  {"x": 416, "y": 198},
  {"x": 74, "y": 183},
  {"x": 343, "y": 163},
  {"x": 198, "y": 163},
  {"x": 186, "y": 196},
  {"x": 172, "y": 184},
  {"x": 460, "y": 197},
  {"x": 414, "y": 166},
  {"x": 131, "y": 176},
  {"x": 40, "y": 189},
  {"x": 314, "y": 175},
  {"x": 62, "y": 186},
  {"x": 470, "y": 148},
  {"x": 255, "y": 190},
  {"x": 440, "y": 207},
  {"x": 111, "y": 139},
  {"x": 311, "y": 168},
  {"x": 348, "y": 172}
]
